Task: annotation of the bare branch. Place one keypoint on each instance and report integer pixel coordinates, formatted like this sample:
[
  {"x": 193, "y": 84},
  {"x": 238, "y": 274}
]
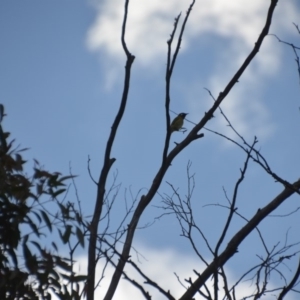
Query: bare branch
[
  {"x": 258, "y": 157},
  {"x": 295, "y": 48},
  {"x": 233, "y": 202},
  {"x": 132, "y": 281},
  {"x": 239, "y": 73},
  {"x": 289, "y": 287},
  {"x": 169, "y": 71},
  {"x": 184, "y": 214},
  {"x": 151, "y": 282},
  {"x": 108, "y": 161},
  {"x": 238, "y": 238}
]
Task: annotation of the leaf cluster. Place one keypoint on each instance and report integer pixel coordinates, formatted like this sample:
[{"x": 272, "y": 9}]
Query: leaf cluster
[{"x": 29, "y": 267}]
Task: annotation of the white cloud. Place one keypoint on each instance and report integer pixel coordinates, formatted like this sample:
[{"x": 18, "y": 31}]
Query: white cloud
[
  {"x": 160, "y": 265},
  {"x": 148, "y": 28},
  {"x": 150, "y": 23}
]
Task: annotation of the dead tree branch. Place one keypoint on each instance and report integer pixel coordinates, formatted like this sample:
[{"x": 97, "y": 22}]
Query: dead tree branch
[
  {"x": 166, "y": 162},
  {"x": 233, "y": 244},
  {"x": 108, "y": 161}
]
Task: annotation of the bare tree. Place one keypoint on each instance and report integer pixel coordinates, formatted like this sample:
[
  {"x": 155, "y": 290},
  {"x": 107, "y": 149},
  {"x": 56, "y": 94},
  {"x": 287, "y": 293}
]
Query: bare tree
[
  {"x": 111, "y": 242},
  {"x": 182, "y": 208}
]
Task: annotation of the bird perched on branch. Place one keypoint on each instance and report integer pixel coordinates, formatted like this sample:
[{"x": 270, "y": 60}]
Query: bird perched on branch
[{"x": 177, "y": 123}]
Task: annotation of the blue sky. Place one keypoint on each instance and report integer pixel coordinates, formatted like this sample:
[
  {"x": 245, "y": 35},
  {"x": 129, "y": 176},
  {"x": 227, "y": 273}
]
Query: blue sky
[{"x": 61, "y": 78}]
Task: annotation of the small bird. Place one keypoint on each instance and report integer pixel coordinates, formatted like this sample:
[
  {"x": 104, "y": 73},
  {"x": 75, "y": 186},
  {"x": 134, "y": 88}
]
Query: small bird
[{"x": 177, "y": 123}]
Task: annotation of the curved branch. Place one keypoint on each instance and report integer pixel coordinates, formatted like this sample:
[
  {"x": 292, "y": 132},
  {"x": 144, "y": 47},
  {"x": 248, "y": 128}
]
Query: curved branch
[
  {"x": 239, "y": 73},
  {"x": 108, "y": 161},
  {"x": 286, "y": 289}
]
